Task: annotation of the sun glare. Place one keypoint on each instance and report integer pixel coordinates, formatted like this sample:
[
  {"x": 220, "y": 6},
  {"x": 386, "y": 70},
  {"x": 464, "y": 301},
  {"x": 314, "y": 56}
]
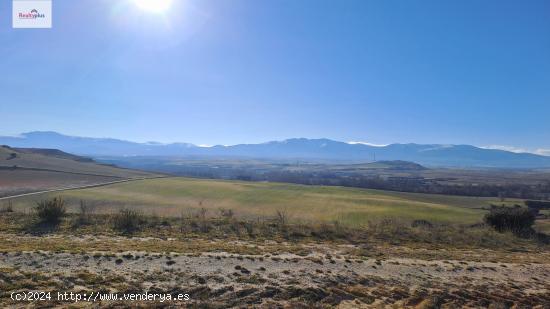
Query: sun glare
[{"x": 156, "y": 6}]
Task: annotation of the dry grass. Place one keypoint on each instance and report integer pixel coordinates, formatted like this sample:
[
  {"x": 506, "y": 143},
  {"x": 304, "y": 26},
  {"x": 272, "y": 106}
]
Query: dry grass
[
  {"x": 226, "y": 261},
  {"x": 381, "y": 233}
]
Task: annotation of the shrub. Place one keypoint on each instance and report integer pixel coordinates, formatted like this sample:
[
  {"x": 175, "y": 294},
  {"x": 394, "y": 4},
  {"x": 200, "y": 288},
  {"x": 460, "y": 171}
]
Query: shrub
[
  {"x": 515, "y": 219},
  {"x": 422, "y": 223},
  {"x": 226, "y": 213},
  {"x": 51, "y": 211},
  {"x": 204, "y": 225},
  {"x": 281, "y": 216},
  {"x": 7, "y": 208},
  {"x": 127, "y": 220},
  {"x": 85, "y": 212},
  {"x": 390, "y": 229}
]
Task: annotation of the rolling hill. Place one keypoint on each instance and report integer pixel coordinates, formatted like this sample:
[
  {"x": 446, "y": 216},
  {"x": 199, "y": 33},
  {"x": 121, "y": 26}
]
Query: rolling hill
[
  {"x": 31, "y": 170},
  {"x": 55, "y": 160}
]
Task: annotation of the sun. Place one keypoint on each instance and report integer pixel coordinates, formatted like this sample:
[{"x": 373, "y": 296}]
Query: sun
[{"x": 155, "y": 6}]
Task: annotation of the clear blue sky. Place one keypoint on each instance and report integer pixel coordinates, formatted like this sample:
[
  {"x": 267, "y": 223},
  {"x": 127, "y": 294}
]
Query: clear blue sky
[{"x": 226, "y": 72}]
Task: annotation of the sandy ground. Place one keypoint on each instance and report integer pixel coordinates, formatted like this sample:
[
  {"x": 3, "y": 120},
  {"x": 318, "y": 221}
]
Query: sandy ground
[{"x": 324, "y": 278}]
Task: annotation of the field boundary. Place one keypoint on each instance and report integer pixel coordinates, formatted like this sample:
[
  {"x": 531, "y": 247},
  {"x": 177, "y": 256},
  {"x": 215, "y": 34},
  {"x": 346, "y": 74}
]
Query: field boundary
[{"x": 11, "y": 168}]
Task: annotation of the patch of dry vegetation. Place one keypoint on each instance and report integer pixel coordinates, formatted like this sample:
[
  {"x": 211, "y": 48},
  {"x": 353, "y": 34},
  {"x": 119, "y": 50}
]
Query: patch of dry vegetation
[{"x": 379, "y": 237}]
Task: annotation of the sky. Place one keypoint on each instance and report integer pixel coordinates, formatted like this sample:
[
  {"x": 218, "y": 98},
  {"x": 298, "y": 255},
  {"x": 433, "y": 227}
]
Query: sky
[{"x": 247, "y": 71}]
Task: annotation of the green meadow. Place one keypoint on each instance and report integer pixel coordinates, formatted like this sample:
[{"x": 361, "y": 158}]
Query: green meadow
[{"x": 355, "y": 207}]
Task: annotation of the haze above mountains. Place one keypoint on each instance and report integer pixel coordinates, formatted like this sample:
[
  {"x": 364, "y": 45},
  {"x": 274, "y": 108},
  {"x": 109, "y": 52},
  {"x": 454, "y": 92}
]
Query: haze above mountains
[{"x": 299, "y": 148}]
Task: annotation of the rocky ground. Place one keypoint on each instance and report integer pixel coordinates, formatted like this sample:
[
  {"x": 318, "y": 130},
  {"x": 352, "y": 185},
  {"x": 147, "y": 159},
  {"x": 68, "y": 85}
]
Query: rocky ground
[{"x": 276, "y": 275}]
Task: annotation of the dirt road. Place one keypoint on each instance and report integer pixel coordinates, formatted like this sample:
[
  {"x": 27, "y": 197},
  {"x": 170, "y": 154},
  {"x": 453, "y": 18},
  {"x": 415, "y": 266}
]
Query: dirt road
[{"x": 78, "y": 187}]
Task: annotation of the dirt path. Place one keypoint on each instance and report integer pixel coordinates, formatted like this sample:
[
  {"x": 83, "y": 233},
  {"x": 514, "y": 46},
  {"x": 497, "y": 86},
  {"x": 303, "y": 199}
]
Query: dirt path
[{"x": 79, "y": 187}]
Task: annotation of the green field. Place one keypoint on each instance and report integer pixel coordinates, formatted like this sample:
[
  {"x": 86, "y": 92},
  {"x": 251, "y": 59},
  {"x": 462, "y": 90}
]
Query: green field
[{"x": 177, "y": 196}]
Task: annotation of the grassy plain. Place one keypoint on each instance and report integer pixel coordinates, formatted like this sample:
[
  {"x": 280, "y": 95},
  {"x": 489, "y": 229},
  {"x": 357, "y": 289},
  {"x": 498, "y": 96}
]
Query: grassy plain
[{"x": 350, "y": 206}]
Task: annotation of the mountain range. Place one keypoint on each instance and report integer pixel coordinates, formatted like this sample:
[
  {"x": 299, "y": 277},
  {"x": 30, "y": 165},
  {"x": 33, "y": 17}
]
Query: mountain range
[{"x": 436, "y": 155}]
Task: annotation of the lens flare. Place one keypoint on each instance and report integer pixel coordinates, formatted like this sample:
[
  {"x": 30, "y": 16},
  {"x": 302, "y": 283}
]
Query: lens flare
[{"x": 155, "y": 6}]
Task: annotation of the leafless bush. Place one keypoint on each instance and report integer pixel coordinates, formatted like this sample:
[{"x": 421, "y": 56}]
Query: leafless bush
[
  {"x": 183, "y": 221},
  {"x": 390, "y": 229},
  {"x": 332, "y": 230},
  {"x": 226, "y": 213},
  {"x": 51, "y": 211},
  {"x": 201, "y": 214},
  {"x": 518, "y": 220},
  {"x": 128, "y": 220},
  {"x": 203, "y": 222},
  {"x": 325, "y": 230},
  {"x": 422, "y": 224},
  {"x": 153, "y": 220},
  {"x": 337, "y": 226},
  {"x": 8, "y": 207},
  {"x": 250, "y": 230},
  {"x": 281, "y": 216},
  {"x": 85, "y": 212}
]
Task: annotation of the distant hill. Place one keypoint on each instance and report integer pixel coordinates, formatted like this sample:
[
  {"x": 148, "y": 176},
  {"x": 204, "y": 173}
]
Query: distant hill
[
  {"x": 92, "y": 146},
  {"x": 53, "y": 153},
  {"x": 54, "y": 160},
  {"x": 463, "y": 156},
  {"x": 397, "y": 165}
]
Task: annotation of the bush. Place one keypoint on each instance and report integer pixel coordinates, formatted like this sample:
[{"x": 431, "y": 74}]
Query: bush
[
  {"x": 515, "y": 219},
  {"x": 281, "y": 216},
  {"x": 51, "y": 211},
  {"x": 226, "y": 213},
  {"x": 85, "y": 212},
  {"x": 204, "y": 224},
  {"x": 7, "y": 208},
  {"x": 422, "y": 223},
  {"x": 128, "y": 221}
]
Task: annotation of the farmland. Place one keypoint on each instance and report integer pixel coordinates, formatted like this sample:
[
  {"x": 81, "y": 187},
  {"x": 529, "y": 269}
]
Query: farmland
[
  {"x": 355, "y": 207},
  {"x": 345, "y": 247},
  {"x": 396, "y": 175},
  {"x": 230, "y": 243},
  {"x": 31, "y": 170}
]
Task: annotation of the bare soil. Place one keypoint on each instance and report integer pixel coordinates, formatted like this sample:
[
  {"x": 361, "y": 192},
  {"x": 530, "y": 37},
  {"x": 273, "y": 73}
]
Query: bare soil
[{"x": 329, "y": 275}]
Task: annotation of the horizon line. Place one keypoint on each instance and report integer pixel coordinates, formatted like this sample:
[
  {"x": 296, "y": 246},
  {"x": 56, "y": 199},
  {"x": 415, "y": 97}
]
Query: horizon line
[{"x": 507, "y": 148}]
